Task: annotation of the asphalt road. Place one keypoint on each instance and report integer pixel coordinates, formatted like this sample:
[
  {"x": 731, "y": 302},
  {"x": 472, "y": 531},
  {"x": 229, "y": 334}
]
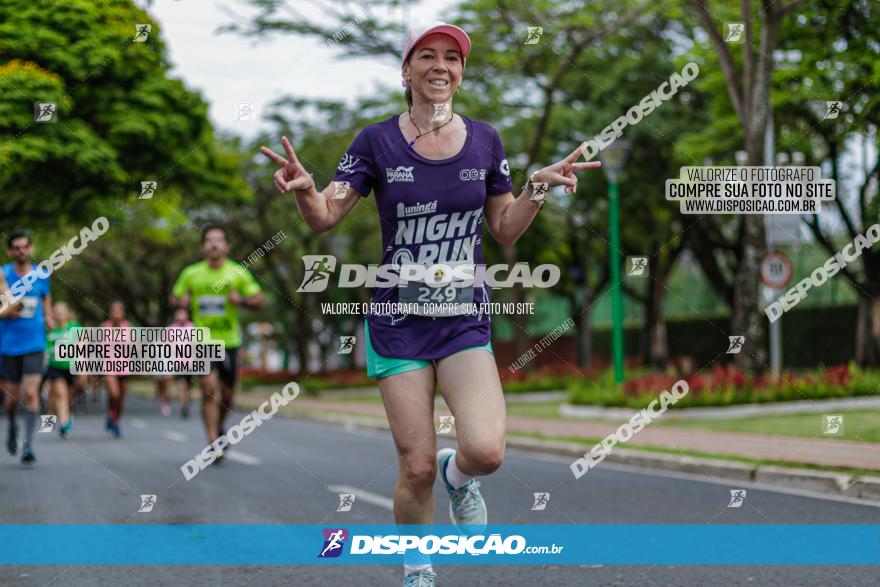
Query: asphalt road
[{"x": 290, "y": 471}]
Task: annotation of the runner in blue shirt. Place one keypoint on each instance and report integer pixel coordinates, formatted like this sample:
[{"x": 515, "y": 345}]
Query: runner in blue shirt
[
  {"x": 436, "y": 175},
  {"x": 24, "y": 338},
  {"x": 3, "y": 291}
]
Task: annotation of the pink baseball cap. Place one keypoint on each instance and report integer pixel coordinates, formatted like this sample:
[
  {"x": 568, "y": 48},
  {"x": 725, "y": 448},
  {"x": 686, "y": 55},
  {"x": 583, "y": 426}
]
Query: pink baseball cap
[{"x": 419, "y": 32}]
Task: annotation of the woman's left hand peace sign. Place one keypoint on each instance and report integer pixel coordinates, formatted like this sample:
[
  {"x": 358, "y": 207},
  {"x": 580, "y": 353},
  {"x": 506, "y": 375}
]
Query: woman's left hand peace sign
[{"x": 563, "y": 172}]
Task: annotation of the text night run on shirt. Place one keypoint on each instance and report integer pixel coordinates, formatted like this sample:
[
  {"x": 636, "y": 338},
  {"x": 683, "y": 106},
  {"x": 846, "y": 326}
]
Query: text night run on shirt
[{"x": 422, "y": 230}]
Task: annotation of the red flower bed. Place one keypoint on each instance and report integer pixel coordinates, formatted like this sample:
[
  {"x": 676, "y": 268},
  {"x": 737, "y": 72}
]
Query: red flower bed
[{"x": 724, "y": 378}]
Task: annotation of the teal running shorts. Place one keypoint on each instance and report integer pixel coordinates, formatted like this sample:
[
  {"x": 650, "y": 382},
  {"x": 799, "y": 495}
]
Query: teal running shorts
[{"x": 380, "y": 367}]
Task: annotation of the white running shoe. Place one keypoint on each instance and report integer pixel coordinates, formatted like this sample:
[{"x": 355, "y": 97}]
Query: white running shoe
[{"x": 466, "y": 505}]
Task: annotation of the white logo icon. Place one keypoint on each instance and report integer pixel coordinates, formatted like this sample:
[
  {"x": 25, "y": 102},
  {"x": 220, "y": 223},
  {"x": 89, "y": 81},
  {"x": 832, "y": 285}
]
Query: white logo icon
[
  {"x": 141, "y": 32},
  {"x": 399, "y": 174},
  {"x": 447, "y": 424},
  {"x": 832, "y": 109},
  {"x": 346, "y": 500},
  {"x": 832, "y": 424},
  {"x": 504, "y": 167},
  {"x": 45, "y": 111},
  {"x": 318, "y": 270},
  {"x": 401, "y": 257},
  {"x": 340, "y": 189},
  {"x": 541, "y": 499},
  {"x": 737, "y": 497},
  {"x": 334, "y": 542},
  {"x": 147, "y": 503},
  {"x": 734, "y": 32},
  {"x": 472, "y": 175},
  {"x": 346, "y": 345},
  {"x": 416, "y": 209},
  {"x": 347, "y": 163},
  {"x": 245, "y": 111},
  {"x": 736, "y": 344},
  {"x": 637, "y": 266},
  {"x": 47, "y": 423},
  {"x": 441, "y": 112},
  {"x": 148, "y": 188},
  {"x": 539, "y": 190},
  {"x": 534, "y": 35}
]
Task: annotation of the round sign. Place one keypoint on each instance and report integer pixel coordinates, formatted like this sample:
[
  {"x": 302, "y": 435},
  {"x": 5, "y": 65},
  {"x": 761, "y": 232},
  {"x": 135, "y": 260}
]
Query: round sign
[{"x": 776, "y": 270}]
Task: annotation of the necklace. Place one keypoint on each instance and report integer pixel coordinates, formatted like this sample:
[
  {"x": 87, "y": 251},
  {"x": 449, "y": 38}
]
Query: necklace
[{"x": 412, "y": 142}]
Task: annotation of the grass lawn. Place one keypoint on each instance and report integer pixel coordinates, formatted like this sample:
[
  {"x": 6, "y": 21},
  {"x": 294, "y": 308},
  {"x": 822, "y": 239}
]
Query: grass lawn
[
  {"x": 858, "y": 425},
  {"x": 368, "y": 398},
  {"x": 535, "y": 409}
]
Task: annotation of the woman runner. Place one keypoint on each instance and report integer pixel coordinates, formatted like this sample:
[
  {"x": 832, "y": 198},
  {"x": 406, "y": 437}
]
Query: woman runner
[{"x": 435, "y": 175}]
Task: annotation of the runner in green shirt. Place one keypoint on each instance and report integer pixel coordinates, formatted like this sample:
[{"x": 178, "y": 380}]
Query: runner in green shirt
[
  {"x": 213, "y": 290},
  {"x": 58, "y": 372}
]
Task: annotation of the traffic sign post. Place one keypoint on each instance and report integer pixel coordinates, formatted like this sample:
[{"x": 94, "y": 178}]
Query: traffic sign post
[
  {"x": 776, "y": 270},
  {"x": 776, "y": 273}
]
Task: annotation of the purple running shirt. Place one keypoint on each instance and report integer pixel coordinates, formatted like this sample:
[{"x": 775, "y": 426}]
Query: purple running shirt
[{"x": 430, "y": 211}]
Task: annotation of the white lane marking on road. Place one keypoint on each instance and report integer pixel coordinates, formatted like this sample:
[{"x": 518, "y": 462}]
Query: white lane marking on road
[
  {"x": 242, "y": 457},
  {"x": 173, "y": 435},
  {"x": 364, "y": 495},
  {"x": 139, "y": 424},
  {"x": 717, "y": 481}
]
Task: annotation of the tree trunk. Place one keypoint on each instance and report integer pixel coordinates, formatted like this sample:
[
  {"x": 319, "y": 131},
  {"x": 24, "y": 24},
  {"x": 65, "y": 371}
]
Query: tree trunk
[
  {"x": 520, "y": 321},
  {"x": 655, "y": 347},
  {"x": 868, "y": 332},
  {"x": 302, "y": 329},
  {"x": 747, "y": 319},
  {"x": 584, "y": 336}
]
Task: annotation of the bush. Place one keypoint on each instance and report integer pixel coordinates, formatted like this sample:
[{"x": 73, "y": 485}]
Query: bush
[
  {"x": 723, "y": 386},
  {"x": 559, "y": 375}
]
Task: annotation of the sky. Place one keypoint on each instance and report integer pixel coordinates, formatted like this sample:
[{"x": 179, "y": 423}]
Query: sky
[{"x": 229, "y": 69}]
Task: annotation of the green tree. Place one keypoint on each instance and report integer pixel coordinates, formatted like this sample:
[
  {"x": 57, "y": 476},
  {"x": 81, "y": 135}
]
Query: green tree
[
  {"x": 838, "y": 57},
  {"x": 120, "y": 118},
  {"x": 748, "y": 83}
]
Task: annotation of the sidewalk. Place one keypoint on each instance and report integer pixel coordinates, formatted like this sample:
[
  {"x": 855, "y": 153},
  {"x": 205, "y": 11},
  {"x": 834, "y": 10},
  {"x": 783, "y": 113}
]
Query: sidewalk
[
  {"x": 865, "y": 402},
  {"x": 782, "y": 449}
]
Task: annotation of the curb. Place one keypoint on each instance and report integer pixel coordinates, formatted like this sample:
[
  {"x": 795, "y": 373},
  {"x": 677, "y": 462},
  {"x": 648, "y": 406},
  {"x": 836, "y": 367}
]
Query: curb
[
  {"x": 730, "y": 412},
  {"x": 816, "y": 480},
  {"x": 841, "y": 484},
  {"x": 865, "y": 488}
]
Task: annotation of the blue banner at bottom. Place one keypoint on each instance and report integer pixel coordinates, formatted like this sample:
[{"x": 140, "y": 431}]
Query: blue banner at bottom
[{"x": 307, "y": 544}]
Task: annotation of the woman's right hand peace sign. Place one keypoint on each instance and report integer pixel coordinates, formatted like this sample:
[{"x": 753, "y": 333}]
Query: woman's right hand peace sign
[{"x": 292, "y": 175}]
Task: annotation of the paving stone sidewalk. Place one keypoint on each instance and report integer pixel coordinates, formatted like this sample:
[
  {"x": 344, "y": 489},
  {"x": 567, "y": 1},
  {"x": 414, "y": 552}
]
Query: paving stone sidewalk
[{"x": 790, "y": 449}]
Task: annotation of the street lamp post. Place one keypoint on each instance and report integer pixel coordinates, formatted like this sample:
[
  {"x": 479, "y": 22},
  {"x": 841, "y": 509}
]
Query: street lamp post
[{"x": 613, "y": 158}]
